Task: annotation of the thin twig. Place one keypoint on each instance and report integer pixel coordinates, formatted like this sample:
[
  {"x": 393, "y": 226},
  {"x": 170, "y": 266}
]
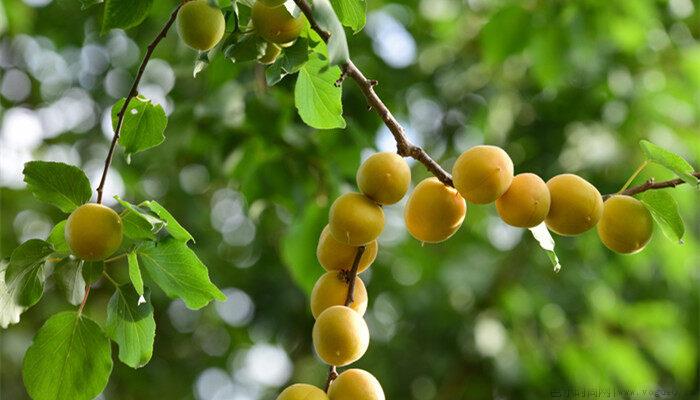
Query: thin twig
[
  {"x": 133, "y": 92},
  {"x": 85, "y": 297},
  {"x": 332, "y": 374},
  {"x": 652, "y": 185}
]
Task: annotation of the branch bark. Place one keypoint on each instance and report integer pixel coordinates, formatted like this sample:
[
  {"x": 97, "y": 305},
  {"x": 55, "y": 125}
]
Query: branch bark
[
  {"x": 133, "y": 92},
  {"x": 652, "y": 185}
]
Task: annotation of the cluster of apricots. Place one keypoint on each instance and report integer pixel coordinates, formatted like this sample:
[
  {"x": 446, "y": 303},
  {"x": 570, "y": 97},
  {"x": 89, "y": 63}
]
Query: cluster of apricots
[{"x": 201, "y": 26}]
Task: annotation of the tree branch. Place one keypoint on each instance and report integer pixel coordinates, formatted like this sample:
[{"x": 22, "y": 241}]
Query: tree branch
[
  {"x": 133, "y": 93},
  {"x": 652, "y": 185}
]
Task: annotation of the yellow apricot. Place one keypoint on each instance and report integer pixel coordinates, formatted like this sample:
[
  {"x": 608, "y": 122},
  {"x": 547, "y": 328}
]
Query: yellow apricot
[
  {"x": 384, "y": 177},
  {"x": 576, "y": 205},
  {"x": 200, "y": 25},
  {"x": 335, "y": 256},
  {"x": 355, "y": 384},
  {"x": 526, "y": 202},
  {"x": 331, "y": 290},
  {"x": 276, "y": 24},
  {"x": 626, "y": 225},
  {"x": 272, "y": 51},
  {"x": 355, "y": 220},
  {"x": 434, "y": 211},
  {"x": 482, "y": 174},
  {"x": 93, "y": 232},
  {"x": 340, "y": 336},
  {"x": 302, "y": 391}
]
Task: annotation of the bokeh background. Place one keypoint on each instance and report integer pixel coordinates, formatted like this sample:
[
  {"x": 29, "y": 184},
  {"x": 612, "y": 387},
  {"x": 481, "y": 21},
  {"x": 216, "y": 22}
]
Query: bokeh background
[{"x": 562, "y": 86}]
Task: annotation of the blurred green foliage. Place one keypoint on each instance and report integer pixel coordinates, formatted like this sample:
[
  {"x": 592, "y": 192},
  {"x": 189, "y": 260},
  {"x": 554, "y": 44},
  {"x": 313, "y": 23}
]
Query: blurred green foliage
[{"x": 562, "y": 86}]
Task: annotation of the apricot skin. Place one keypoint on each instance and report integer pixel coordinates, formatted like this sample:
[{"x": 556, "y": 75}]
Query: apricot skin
[
  {"x": 576, "y": 205},
  {"x": 434, "y": 211},
  {"x": 331, "y": 290},
  {"x": 626, "y": 225},
  {"x": 384, "y": 177},
  {"x": 482, "y": 174},
  {"x": 355, "y": 220},
  {"x": 356, "y": 384},
  {"x": 526, "y": 202},
  {"x": 340, "y": 336},
  {"x": 335, "y": 256},
  {"x": 93, "y": 232},
  {"x": 276, "y": 24},
  {"x": 200, "y": 25},
  {"x": 302, "y": 391}
]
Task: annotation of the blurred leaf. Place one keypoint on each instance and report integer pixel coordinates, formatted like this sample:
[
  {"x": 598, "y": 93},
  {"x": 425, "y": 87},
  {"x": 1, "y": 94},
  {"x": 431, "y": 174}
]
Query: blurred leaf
[
  {"x": 507, "y": 32},
  {"x": 664, "y": 209},
  {"x": 316, "y": 96},
  {"x": 124, "y": 14},
  {"x": 135, "y": 273},
  {"x": 10, "y": 310},
  {"x": 544, "y": 238},
  {"x": 171, "y": 225},
  {"x": 85, "y": 4},
  {"x": 69, "y": 359},
  {"x": 24, "y": 276},
  {"x": 326, "y": 18},
  {"x": 143, "y": 126},
  {"x": 57, "y": 238},
  {"x": 69, "y": 275},
  {"x": 138, "y": 224},
  {"x": 62, "y": 185},
  {"x": 178, "y": 271},
  {"x": 351, "y": 13},
  {"x": 92, "y": 271},
  {"x": 131, "y": 325},
  {"x": 248, "y": 47},
  {"x": 298, "y": 247},
  {"x": 671, "y": 161},
  {"x": 548, "y": 62}
]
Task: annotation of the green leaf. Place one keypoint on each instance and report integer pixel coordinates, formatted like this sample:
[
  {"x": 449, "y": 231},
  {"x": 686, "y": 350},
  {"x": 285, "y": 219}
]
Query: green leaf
[
  {"x": 351, "y": 13},
  {"x": 135, "y": 273},
  {"x": 302, "y": 236},
  {"x": 143, "y": 126},
  {"x": 317, "y": 98},
  {"x": 291, "y": 60},
  {"x": 171, "y": 225},
  {"x": 62, "y": 185},
  {"x": 671, "y": 161},
  {"x": 139, "y": 224},
  {"x": 124, "y": 14},
  {"x": 546, "y": 242},
  {"x": 10, "y": 310},
  {"x": 69, "y": 359},
  {"x": 85, "y": 4},
  {"x": 505, "y": 33},
  {"x": 25, "y": 275},
  {"x": 92, "y": 271},
  {"x": 664, "y": 210},
  {"x": 69, "y": 276},
  {"x": 248, "y": 47},
  {"x": 57, "y": 239},
  {"x": 338, "y": 52},
  {"x": 131, "y": 325},
  {"x": 178, "y": 271},
  {"x": 547, "y": 48}
]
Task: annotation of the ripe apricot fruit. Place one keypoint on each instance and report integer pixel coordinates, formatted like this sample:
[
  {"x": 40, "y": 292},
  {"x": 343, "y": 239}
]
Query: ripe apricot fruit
[
  {"x": 355, "y": 384},
  {"x": 482, "y": 174},
  {"x": 384, "y": 177},
  {"x": 272, "y": 51},
  {"x": 335, "y": 256},
  {"x": 276, "y": 24},
  {"x": 526, "y": 202},
  {"x": 434, "y": 211},
  {"x": 355, "y": 220},
  {"x": 576, "y": 205},
  {"x": 200, "y": 25},
  {"x": 340, "y": 336},
  {"x": 93, "y": 232},
  {"x": 302, "y": 391},
  {"x": 626, "y": 225},
  {"x": 331, "y": 290}
]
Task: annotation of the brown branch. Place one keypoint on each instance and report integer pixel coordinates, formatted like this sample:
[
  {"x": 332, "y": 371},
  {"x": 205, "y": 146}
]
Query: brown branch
[
  {"x": 133, "y": 93},
  {"x": 404, "y": 147},
  {"x": 652, "y": 185}
]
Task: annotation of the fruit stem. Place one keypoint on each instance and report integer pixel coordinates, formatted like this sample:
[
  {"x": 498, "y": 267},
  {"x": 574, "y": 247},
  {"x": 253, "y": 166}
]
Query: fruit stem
[{"x": 634, "y": 175}]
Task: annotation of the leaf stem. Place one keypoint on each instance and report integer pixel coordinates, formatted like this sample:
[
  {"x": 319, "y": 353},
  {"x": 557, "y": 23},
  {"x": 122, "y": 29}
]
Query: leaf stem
[
  {"x": 115, "y": 258},
  {"x": 109, "y": 278},
  {"x": 82, "y": 303},
  {"x": 634, "y": 175}
]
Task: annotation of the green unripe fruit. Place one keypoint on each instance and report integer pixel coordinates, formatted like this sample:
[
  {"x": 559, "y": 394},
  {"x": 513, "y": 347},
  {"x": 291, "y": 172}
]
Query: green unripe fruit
[
  {"x": 356, "y": 384},
  {"x": 434, "y": 211},
  {"x": 93, "y": 232},
  {"x": 576, "y": 205},
  {"x": 272, "y": 3},
  {"x": 200, "y": 25},
  {"x": 355, "y": 220},
  {"x": 276, "y": 24},
  {"x": 482, "y": 174},
  {"x": 302, "y": 391},
  {"x": 272, "y": 51},
  {"x": 335, "y": 256},
  {"x": 331, "y": 290},
  {"x": 340, "y": 336},
  {"x": 526, "y": 202},
  {"x": 384, "y": 177},
  {"x": 626, "y": 225}
]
